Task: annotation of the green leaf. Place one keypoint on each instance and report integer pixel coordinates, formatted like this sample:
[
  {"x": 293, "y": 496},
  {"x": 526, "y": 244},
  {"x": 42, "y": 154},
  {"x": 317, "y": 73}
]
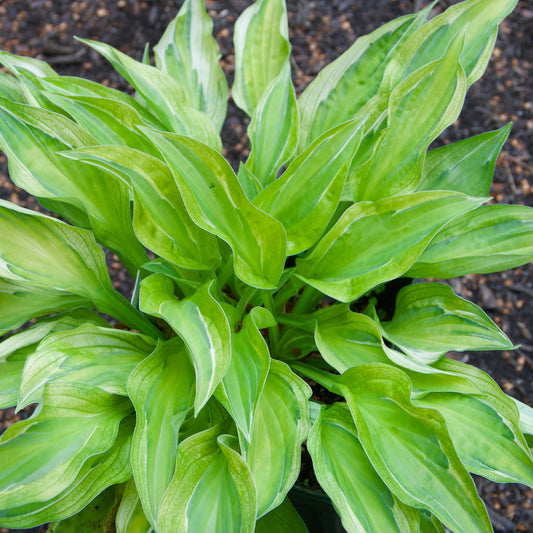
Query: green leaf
[
  {"x": 163, "y": 93},
  {"x": 48, "y": 253},
  {"x": 261, "y": 49},
  {"x": 430, "y": 320},
  {"x": 97, "y": 516},
  {"x": 475, "y": 20},
  {"x": 281, "y": 424},
  {"x": 486, "y": 435},
  {"x": 246, "y": 375},
  {"x": 410, "y": 448},
  {"x": 316, "y": 178},
  {"x": 273, "y": 129},
  {"x": 374, "y": 242},
  {"x": 344, "y": 86},
  {"x": 281, "y": 519},
  {"x": 212, "y": 489},
  {"x": 201, "y": 323},
  {"x": 489, "y": 239},
  {"x": 465, "y": 166},
  {"x": 346, "y": 339},
  {"x": 420, "y": 108},
  {"x": 103, "y": 357},
  {"x": 162, "y": 391},
  {"x": 189, "y": 54},
  {"x": 11, "y": 88},
  {"x": 344, "y": 471},
  {"x": 20, "y": 301},
  {"x": 45, "y": 453},
  {"x": 98, "y": 472},
  {"x": 217, "y": 203},
  {"x": 160, "y": 218},
  {"x": 31, "y": 138},
  {"x": 130, "y": 515}
]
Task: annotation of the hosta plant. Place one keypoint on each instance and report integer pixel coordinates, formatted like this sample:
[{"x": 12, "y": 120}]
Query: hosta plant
[{"x": 186, "y": 408}]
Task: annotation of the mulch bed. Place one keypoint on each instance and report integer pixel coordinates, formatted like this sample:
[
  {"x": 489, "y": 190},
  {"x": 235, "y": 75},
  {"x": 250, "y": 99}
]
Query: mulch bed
[{"x": 320, "y": 31}]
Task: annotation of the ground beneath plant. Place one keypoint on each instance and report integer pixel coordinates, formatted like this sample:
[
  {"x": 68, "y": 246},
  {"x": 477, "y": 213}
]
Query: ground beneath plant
[{"x": 320, "y": 31}]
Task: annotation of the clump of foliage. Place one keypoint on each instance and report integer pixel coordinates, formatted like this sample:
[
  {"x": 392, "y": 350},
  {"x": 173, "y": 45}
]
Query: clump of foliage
[{"x": 190, "y": 417}]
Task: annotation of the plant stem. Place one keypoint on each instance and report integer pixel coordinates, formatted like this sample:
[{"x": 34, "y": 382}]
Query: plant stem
[
  {"x": 290, "y": 289},
  {"x": 327, "y": 380},
  {"x": 308, "y": 300},
  {"x": 273, "y": 332},
  {"x": 245, "y": 299}
]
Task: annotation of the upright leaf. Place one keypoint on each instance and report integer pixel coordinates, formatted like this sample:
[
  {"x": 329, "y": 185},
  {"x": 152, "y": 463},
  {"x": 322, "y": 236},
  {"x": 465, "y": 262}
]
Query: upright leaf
[
  {"x": 374, "y": 242},
  {"x": 162, "y": 391},
  {"x": 489, "y": 239},
  {"x": 465, "y": 166},
  {"x": 189, "y": 54},
  {"x": 281, "y": 424},
  {"x": 216, "y": 202},
  {"x": 261, "y": 49},
  {"x": 316, "y": 178},
  {"x": 410, "y": 448},
  {"x": 430, "y": 320},
  {"x": 202, "y": 324},
  {"x": 279, "y": 520},
  {"x": 212, "y": 489},
  {"x": 130, "y": 515}
]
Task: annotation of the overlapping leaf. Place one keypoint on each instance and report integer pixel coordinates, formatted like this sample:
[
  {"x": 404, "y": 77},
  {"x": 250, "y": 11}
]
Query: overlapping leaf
[
  {"x": 279, "y": 520},
  {"x": 130, "y": 516},
  {"x": 216, "y": 202},
  {"x": 374, "y": 242}
]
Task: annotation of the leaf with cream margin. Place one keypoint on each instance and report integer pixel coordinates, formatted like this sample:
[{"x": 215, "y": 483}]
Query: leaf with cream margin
[
  {"x": 316, "y": 177},
  {"x": 160, "y": 218},
  {"x": 373, "y": 242},
  {"x": 489, "y": 239},
  {"x": 130, "y": 516},
  {"x": 281, "y": 424},
  {"x": 344, "y": 471},
  {"x": 430, "y": 320},
  {"x": 46, "y": 452},
  {"x": 162, "y": 391},
  {"x": 51, "y": 254},
  {"x": 262, "y": 47},
  {"x": 200, "y": 321},
  {"x": 212, "y": 488},
  {"x": 103, "y": 357},
  {"x": 410, "y": 448},
  {"x": 217, "y": 203},
  {"x": 188, "y": 53}
]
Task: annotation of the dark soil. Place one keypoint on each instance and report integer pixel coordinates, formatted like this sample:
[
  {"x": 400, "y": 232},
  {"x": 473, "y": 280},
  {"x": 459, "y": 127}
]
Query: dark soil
[{"x": 320, "y": 31}]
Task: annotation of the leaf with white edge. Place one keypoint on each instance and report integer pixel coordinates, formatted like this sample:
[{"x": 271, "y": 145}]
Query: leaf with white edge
[
  {"x": 160, "y": 218},
  {"x": 48, "y": 253},
  {"x": 212, "y": 489},
  {"x": 188, "y": 53},
  {"x": 98, "y": 472},
  {"x": 250, "y": 184},
  {"x": 246, "y": 375},
  {"x": 486, "y": 436},
  {"x": 346, "y": 339},
  {"x": 45, "y": 453},
  {"x": 360, "y": 496},
  {"x": 163, "y": 93},
  {"x": 31, "y": 138},
  {"x": 344, "y": 86},
  {"x": 217, "y": 203},
  {"x": 316, "y": 177},
  {"x": 489, "y": 239},
  {"x": 430, "y": 320},
  {"x": 420, "y": 108},
  {"x": 201, "y": 323},
  {"x": 262, "y": 47},
  {"x": 20, "y": 301},
  {"x": 281, "y": 424},
  {"x": 130, "y": 515},
  {"x": 273, "y": 129},
  {"x": 411, "y": 449},
  {"x": 374, "y": 242},
  {"x": 162, "y": 391},
  {"x": 281, "y": 519},
  {"x": 11, "y": 88},
  {"x": 476, "y": 20},
  {"x": 465, "y": 166},
  {"x": 103, "y": 357}
]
